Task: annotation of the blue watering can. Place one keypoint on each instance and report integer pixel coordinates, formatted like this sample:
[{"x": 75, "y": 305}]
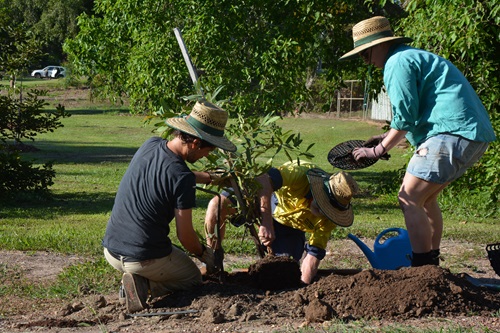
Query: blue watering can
[{"x": 393, "y": 253}]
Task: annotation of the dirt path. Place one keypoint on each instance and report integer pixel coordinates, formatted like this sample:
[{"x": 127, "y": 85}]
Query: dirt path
[{"x": 426, "y": 297}]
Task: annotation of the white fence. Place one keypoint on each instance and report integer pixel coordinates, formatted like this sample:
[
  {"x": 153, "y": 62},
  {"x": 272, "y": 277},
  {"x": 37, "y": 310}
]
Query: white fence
[
  {"x": 350, "y": 96},
  {"x": 376, "y": 109},
  {"x": 380, "y": 109}
]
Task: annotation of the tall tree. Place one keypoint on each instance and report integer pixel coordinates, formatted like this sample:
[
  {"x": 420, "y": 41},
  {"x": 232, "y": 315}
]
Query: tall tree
[
  {"x": 51, "y": 22},
  {"x": 262, "y": 51},
  {"x": 19, "y": 49}
]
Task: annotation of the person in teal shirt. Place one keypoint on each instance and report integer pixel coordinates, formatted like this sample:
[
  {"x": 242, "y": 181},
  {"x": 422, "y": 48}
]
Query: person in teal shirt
[{"x": 440, "y": 114}]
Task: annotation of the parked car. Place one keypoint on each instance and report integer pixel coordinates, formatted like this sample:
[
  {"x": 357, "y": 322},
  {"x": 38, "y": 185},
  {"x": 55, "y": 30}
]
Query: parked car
[{"x": 51, "y": 72}]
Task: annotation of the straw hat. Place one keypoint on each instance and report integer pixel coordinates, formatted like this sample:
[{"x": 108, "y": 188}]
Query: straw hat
[
  {"x": 333, "y": 194},
  {"x": 371, "y": 32},
  {"x": 207, "y": 122}
]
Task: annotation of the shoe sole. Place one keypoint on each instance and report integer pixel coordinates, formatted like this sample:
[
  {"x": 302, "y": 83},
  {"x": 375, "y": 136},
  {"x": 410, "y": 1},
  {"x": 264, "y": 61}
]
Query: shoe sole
[{"x": 133, "y": 299}]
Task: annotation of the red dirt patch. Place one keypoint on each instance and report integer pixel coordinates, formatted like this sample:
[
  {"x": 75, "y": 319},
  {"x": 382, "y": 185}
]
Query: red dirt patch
[{"x": 423, "y": 297}]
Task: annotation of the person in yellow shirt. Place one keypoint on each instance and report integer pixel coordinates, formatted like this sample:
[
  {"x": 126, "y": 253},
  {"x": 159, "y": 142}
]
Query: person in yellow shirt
[{"x": 295, "y": 198}]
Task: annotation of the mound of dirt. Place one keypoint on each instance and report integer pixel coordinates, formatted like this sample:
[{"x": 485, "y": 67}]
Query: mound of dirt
[
  {"x": 275, "y": 273},
  {"x": 249, "y": 301},
  {"x": 406, "y": 293}
]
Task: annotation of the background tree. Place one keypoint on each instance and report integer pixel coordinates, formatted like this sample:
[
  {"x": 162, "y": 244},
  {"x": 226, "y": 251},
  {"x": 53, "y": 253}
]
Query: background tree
[
  {"x": 263, "y": 52},
  {"x": 21, "y": 118},
  {"x": 50, "y": 22},
  {"x": 19, "y": 48}
]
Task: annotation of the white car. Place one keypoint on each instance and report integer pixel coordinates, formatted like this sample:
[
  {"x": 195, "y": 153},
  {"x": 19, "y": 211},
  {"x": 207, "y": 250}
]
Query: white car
[{"x": 51, "y": 72}]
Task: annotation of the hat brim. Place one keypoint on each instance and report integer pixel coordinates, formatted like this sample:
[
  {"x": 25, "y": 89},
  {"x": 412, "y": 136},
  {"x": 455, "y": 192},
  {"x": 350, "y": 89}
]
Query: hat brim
[
  {"x": 343, "y": 218},
  {"x": 355, "y": 52},
  {"x": 219, "y": 141}
]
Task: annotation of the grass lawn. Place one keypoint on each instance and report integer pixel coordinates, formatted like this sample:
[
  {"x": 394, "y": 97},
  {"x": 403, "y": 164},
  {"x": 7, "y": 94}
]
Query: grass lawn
[{"x": 92, "y": 151}]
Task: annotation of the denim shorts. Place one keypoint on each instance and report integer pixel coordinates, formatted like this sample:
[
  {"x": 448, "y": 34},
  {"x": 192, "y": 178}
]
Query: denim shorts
[{"x": 444, "y": 158}]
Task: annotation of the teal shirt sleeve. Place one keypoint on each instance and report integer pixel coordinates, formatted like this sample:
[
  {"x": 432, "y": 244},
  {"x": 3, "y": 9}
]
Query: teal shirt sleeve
[
  {"x": 401, "y": 83},
  {"x": 430, "y": 96}
]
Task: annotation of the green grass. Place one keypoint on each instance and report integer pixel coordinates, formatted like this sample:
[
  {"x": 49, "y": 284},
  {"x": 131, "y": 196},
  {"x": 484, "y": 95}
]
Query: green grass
[
  {"x": 92, "y": 151},
  {"x": 31, "y": 82}
]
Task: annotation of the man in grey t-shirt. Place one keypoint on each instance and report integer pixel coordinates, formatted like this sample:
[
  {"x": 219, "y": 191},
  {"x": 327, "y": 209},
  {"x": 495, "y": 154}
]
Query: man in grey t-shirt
[{"x": 159, "y": 187}]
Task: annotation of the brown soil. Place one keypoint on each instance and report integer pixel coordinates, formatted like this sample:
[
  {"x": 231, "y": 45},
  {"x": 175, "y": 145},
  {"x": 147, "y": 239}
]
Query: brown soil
[{"x": 249, "y": 300}]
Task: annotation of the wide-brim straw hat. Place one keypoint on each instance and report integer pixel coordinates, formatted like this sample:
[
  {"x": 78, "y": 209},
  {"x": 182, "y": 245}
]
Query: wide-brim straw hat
[
  {"x": 333, "y": 194},
  {"x": 371, "y": 32},
  {"x": 207, "y": 122}
]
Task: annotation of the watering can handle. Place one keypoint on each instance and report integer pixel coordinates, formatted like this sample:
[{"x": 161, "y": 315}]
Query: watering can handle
[{"x": 377, "y": 240}]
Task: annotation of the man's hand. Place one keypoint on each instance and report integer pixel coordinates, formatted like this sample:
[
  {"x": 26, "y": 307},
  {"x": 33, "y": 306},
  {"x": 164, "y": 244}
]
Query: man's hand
[
  {"x": 219, "y": 177},
  {"x": 375, "y": 140},
  {"x": 208, "y": 258},
  {"x": 266, "y": 235},
  {"x": 369, "y": 153}
]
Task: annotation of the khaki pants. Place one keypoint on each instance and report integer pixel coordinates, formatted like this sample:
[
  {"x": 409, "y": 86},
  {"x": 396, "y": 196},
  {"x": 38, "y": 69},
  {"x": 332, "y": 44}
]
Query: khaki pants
[{"x": 174, "y": 272}]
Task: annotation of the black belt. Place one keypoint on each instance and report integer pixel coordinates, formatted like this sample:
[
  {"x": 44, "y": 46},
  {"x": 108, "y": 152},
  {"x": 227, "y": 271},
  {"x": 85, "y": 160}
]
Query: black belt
[{"x": 123, "y": 258}]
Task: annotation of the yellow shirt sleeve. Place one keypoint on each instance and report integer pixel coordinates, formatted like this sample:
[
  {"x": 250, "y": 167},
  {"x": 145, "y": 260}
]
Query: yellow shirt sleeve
[{"x": 293, "y": 206}]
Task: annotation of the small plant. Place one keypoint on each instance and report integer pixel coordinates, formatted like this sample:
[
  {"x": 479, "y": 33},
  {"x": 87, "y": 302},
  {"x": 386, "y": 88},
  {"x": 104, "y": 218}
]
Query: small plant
[
  {"x": 24, "y": 119},
  {"x": 258, "y": 139}
]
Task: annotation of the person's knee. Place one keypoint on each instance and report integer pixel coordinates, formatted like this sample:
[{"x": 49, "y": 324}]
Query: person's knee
[
  {"x": 404, "y": 202},
  {"x": 213, "y": 204},
  {"x": 220, "y": 202}
]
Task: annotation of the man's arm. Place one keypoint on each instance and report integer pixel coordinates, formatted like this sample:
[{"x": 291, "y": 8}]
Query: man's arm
[
  {"x": 266, "y": 230},
  {"x": 202, "y": 177},
  {"x": 392, "y": 139},
  {"x": 185, "y": 231}
]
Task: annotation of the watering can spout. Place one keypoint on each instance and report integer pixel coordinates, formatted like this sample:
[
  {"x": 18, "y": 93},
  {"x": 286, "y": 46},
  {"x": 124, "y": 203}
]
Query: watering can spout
[{"x": 370, "y": 255}]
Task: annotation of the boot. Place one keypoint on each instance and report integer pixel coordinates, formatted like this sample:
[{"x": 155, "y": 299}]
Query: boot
[
  {"x": 436, "y": 257},
  {"x": 136, "y": 292},
  {"x": 421, "y": 259}
]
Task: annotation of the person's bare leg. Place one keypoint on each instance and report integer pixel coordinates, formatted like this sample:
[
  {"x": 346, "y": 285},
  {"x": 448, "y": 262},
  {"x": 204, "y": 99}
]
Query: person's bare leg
[
  {"x": 211, "y": 220},
  {"x": 418, "y": 201},
  {"x": 435, "y": 218}
]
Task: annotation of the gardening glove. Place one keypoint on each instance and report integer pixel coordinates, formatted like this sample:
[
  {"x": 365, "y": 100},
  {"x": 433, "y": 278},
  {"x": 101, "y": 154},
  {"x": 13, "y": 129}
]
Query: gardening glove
[
  {"x": 375, "y": 140},
  {"x": 208, "y": 257},
  {"x": 219, "y": 177},
  {"x": 369, "y": 153}
]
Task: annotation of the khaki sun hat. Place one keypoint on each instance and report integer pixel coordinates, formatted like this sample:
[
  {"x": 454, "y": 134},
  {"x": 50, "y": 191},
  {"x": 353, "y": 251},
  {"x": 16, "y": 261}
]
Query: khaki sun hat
[
  {"x": 207, "y": 122},
  {"x": 333, "y": 194},
  {"x": 371, "y": 32}
]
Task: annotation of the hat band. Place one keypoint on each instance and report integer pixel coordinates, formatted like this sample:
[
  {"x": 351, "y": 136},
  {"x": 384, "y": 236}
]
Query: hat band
[
  {"x": 334, "y": 201},
  {"x": 199, "y": 125},
  {"x": 371, "y": 38}
]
